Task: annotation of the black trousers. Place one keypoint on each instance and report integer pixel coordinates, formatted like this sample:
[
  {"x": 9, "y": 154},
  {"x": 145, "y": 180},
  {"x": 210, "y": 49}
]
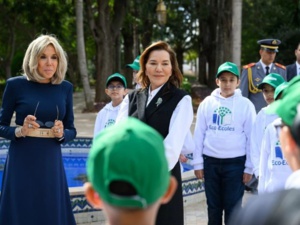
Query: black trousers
[{"x": 172, "y": 212}]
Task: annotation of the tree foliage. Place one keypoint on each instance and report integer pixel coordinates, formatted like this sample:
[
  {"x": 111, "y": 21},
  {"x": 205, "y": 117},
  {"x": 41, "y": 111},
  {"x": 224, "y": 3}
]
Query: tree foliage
[
  {"x": 270, "y": 19},
  {"x": 116, "y": 31}
]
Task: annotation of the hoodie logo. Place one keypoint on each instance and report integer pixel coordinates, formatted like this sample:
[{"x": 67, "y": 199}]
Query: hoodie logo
[
  {"x": 278, "y": 154},
  {"x": 222, "y": 116},
  {"x": 109, "y": 122}
]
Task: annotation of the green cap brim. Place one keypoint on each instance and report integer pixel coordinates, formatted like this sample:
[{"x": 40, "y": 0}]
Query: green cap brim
[
  {"x": 285, "y": 107},
  {"x": 133, "y": 66}
]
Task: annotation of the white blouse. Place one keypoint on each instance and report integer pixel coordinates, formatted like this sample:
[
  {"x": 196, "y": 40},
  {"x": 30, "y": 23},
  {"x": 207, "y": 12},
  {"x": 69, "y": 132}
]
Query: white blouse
[{"x": 179, "y": 127}]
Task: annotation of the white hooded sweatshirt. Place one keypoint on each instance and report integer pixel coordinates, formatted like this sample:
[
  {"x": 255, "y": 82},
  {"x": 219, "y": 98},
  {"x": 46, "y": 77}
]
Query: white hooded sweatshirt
[
  {"x": 223, "y": 128},
  {"x": 263, "y": 119},
  {"x": 106, "y": 117},
  {"x": 274, "y": 169}
]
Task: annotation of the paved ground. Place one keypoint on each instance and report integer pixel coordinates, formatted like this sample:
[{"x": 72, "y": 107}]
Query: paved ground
[{"x": 195, "y": 214}]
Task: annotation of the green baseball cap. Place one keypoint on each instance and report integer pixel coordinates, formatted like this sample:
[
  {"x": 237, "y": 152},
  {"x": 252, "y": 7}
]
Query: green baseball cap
[
  {"x": 272, "y": 79},
  {"x": 228, "y": 67},
  {"x": 130, "y": 152},
  {"x": 286, "y": 107},
  {"x": 118, "y": 77},
  {"x": 279, "y": 89},
  {"x": 135, "y": 65}
]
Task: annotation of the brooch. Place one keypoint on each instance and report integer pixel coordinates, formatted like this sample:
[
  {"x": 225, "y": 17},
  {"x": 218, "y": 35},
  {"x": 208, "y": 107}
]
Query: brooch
[{"x": 158, "y": 102}]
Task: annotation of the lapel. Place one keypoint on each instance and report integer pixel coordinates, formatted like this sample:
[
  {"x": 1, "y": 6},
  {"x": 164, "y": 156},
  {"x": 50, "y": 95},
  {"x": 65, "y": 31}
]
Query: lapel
[
  {"x": 142, "y": 97},
  {"x": 160, "y": 99},
  {"x": 294, "y": 69},
  {"x": 274, "y": 69}
]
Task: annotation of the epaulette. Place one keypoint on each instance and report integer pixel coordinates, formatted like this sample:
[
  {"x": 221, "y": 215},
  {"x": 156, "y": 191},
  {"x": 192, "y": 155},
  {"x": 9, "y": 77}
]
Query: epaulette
[
  {"x": 279, "y": 65},
  {"x": 249, "y": 65}
]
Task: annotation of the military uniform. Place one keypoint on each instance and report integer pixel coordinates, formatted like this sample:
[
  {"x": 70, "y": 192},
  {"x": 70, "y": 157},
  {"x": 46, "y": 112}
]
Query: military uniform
[
  {"x": 252, "y": 76},
  {"x": 254, "y": 73}
]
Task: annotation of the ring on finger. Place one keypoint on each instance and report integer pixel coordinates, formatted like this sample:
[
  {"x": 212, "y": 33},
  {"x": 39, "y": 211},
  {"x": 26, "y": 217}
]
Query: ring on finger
[{"x": 30, "y": 125}]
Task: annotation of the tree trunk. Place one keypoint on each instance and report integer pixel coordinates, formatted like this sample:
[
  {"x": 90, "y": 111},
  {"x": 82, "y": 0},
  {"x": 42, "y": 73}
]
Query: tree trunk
[
  {"x": 202, "y": 73},
  {"x": 105, "y": 28},
  {"x": 179, "y": 55},
  {"x": 237, "y": 31},
  {"x": 11, "y": 48},
  {"x": 129, "y": 55},
  {"x": 146, "y": 36},
  {"x": 82, "y": 57},
  {"x": 219, "y": 44}
]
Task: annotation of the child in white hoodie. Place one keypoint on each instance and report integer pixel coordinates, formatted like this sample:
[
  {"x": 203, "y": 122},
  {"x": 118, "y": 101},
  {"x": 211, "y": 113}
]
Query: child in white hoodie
[
  {"x": 116, "y": 89},
  {"x": 222, "y": 144},
  {"x": 263, "y": 119},
  {"x": 273, "y": 169}
]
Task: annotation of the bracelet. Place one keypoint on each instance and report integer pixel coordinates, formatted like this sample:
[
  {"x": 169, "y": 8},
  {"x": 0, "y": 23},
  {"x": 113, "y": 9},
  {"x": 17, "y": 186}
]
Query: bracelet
[
  {"x": 61, "y": 138},
  {"x": 18, "y": 132}
]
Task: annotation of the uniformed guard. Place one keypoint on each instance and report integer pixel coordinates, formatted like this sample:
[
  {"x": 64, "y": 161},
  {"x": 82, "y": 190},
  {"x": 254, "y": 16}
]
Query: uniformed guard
[{"x": 254, "y": 73}]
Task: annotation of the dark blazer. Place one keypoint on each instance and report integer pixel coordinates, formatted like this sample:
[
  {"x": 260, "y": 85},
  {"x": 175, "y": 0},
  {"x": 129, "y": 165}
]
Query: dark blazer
[
  {"x": 159, "y": 111},
  {"x": 291, "y": 71},
  {"x": 158, "y": 115}
]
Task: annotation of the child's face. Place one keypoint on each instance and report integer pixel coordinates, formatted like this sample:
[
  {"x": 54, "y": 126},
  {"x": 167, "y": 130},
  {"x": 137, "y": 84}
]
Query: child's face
[
  {"x": 116, "y": 91},
  {"x": 268, "y": 93},
  {"x": 227, "y": 82}
]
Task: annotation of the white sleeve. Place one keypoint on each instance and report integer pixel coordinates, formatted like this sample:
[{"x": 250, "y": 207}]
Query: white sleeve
[
  {"x": 263, "y": 162},
  {"x": 179, "y": 127},
  {"x": 256, "y": 141},
  {"x": 250, "y": 118},
  {"x": 123, "y": 111},
  {"x": 97, "y": 127},
  {"x": 188, "y": 145},
  {"x": 199, "y": 136}
]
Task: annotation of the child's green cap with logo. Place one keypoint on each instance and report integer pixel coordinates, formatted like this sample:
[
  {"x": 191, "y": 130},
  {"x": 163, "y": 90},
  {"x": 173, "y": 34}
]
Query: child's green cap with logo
[
  {"x": 272, "y": 79},
  {"x": 117, "y": 77},
  {"x": 228, "y": 67},
  {"x": 279, "y": 89},
  {"x": 135, "y": 65},
  {"x": 286, "y": 106},
  {"x": 129, "y": 152}
]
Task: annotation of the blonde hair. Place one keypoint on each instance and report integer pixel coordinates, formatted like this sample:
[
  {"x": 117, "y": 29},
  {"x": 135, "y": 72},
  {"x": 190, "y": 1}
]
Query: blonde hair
[
  {"x": 35, "y": 50},
  {"x": 176, "y": 77}
]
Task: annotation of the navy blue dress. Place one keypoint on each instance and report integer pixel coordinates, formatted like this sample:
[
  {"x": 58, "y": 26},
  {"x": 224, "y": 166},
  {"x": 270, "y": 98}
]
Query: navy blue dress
[{"x": 34, "y": 186}]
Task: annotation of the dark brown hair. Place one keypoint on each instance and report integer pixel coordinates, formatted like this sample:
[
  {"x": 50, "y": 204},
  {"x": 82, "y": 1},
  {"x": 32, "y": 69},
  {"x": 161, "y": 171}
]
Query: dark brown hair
[{"x": 176, "y": 76}]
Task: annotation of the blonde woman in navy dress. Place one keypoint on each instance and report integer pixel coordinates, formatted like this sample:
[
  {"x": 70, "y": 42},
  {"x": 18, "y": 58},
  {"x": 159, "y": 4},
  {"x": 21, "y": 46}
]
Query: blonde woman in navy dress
[
  {"x": 34, "y": 189},
  {"x": 162, "y": 105}
]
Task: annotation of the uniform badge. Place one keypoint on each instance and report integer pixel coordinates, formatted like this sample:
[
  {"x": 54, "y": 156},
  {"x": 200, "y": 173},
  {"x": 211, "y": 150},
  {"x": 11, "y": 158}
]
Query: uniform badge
[
  {"x": 257, "y": 79},
  {"x": 274, "y": 42}
]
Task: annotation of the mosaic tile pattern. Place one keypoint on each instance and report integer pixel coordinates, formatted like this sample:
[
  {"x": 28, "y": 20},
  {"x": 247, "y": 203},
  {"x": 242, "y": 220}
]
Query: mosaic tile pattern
[
  {"x": 189, "y": 187},
  {"x": 192, "y": 188}
]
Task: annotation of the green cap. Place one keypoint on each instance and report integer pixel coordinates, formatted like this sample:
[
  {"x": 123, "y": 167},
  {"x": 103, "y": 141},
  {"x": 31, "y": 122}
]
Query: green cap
[
  {"x": 286, "y": 107},
  {"x": 130, "y": 152},
  {"x": 228, "y": 67},
  {"x": 279, "y": 89},
  {"x": 272, "y": 79},
  {"x": 117, "y": 77},
  {"x": 135, "y": 65}
]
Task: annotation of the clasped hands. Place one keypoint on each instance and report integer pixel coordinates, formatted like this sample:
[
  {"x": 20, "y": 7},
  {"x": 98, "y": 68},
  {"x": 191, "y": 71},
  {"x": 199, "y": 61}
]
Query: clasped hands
[{"x": 30, "y": 123}]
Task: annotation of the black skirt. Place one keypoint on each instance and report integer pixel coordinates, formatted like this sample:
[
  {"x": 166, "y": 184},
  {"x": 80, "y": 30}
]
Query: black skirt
[{"x": 172, "y": 212}]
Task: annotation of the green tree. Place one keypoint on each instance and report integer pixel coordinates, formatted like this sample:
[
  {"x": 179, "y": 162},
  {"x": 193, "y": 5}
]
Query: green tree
[
  {"x": 270, "y": 19},
  {"x": 182, "y": 37},
  {"x": 105, "y": 18},
  {"x": 82, "y": 64}
]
